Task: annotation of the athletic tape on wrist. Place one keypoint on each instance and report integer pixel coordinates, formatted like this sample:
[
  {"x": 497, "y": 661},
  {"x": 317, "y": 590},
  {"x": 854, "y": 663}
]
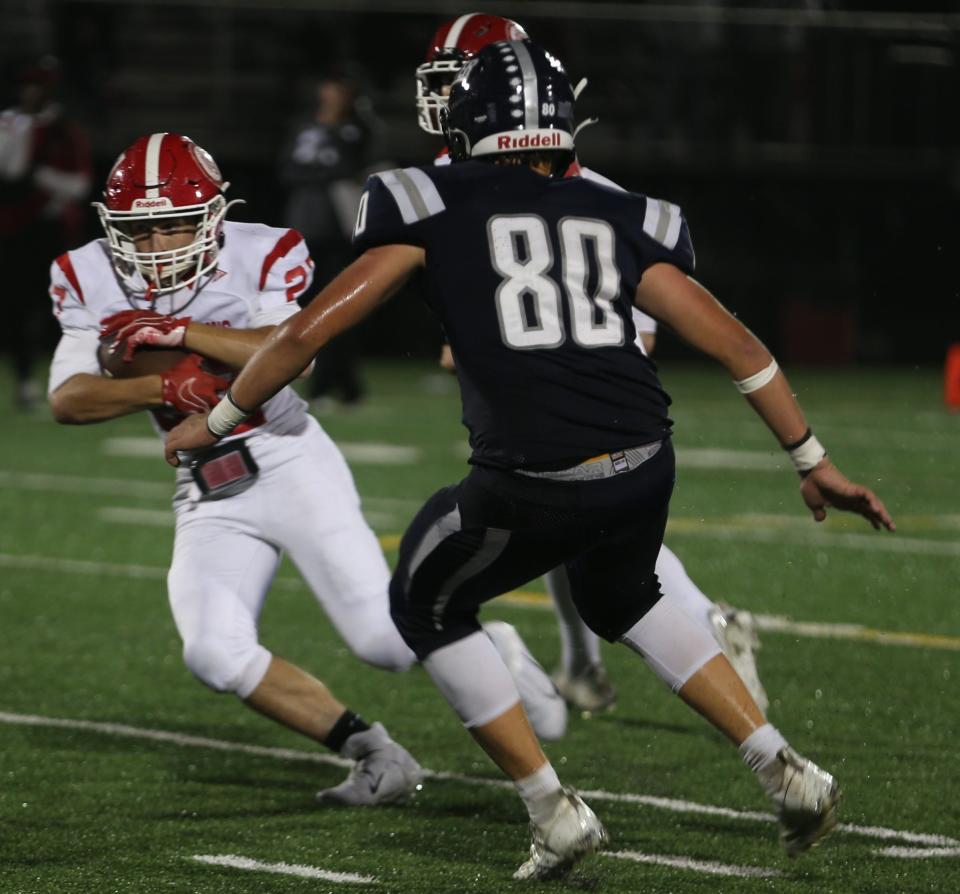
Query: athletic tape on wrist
[
  {"x": 757, "y": 380},
  {"x": 225, "y": 417},
  {"x": 805, "y": 453}
]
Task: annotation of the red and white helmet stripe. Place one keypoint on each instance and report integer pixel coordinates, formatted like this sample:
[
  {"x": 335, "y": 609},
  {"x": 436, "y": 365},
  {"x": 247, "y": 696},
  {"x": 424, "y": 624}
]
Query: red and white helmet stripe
[
  {"x": 454, "y": 42},
  {"x": 163, "y": 175}
]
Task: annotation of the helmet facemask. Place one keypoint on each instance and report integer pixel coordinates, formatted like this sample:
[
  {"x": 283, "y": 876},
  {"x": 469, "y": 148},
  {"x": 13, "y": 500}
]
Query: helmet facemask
[
  {"x": 172, "y": 269},
  {"x": 434, "y": 78}
]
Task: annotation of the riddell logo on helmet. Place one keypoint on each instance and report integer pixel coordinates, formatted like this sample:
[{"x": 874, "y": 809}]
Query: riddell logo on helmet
[
  {"x": 144, "y": 204},
  {"x": 537, "y": 141}
]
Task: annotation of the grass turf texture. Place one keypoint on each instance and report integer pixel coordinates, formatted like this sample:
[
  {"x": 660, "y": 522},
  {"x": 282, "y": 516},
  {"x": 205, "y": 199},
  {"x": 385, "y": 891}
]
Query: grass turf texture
[{"x": 82, "y": 811}]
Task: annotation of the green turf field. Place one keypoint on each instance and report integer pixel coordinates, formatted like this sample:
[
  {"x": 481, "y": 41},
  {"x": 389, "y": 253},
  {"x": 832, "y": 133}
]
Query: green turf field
[{"x": 117, "y": 769}]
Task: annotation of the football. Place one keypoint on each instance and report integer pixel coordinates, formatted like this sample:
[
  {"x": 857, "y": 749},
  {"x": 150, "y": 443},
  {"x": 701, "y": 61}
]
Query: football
[{"x": 146, "y": 361}]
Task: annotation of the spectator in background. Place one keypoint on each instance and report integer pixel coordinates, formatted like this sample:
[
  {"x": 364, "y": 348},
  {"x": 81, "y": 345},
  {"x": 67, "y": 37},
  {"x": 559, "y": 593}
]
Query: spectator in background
[
  {"x": 323, "y": 167},
  {"x": 45, "y": 172}
]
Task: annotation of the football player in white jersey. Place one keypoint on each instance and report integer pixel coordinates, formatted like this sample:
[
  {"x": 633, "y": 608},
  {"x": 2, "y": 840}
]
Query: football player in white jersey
[
  {"x": 172, "y": 272},
  {"x": 581, "y": 677}
]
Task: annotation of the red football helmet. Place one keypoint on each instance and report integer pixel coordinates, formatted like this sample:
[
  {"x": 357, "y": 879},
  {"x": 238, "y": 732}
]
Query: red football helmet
[
  {"x": 455, "y": 42},
  {"x": 163, "y": 175}
]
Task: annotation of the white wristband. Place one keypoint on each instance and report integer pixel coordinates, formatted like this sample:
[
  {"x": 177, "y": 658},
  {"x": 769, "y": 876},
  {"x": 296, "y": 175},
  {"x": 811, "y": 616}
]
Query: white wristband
[
  {"x": 807, "y": 453},
  {"x": 757, "y": 380},
  {"x": 225, "y": 417}
]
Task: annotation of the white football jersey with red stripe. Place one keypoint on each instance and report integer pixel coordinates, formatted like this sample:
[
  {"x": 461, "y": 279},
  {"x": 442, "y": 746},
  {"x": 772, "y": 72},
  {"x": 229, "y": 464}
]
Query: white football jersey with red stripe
[{"x": 260, "y": 272}]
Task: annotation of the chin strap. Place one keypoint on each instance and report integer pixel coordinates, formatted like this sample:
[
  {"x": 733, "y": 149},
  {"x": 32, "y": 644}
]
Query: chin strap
[{"x": 581, "y": 86}]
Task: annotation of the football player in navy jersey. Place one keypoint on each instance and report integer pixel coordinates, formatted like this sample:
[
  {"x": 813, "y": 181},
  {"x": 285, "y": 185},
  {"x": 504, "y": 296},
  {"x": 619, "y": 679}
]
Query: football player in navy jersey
[
  {"x": 581, "y": 676},
  {"x": 534, "y": 277}
]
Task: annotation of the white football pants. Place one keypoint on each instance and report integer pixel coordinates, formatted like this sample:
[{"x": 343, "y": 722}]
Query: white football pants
[{"x": 226, "y": 553}]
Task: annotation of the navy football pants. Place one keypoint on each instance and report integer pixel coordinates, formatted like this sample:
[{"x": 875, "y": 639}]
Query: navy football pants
[{"x": 495, "y": 531}]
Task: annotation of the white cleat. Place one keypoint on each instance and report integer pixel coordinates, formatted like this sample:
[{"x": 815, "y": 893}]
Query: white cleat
[
  {"x": 572, "y": 833},
  {"x": 589, "y": 691},
  {"x": 736, "y": 631},
  {"x": 384, "y": 771},
  {"x": 544, "y": 706},
  {"x": 806, "y": 799}
]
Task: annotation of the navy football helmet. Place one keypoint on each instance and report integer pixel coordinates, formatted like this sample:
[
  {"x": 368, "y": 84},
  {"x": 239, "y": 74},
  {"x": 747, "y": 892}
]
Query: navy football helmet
[{"x": 513, "y": 96}]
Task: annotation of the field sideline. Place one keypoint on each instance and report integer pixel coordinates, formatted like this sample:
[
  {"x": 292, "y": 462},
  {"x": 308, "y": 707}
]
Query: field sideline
[{"x": 121, "y": 773}]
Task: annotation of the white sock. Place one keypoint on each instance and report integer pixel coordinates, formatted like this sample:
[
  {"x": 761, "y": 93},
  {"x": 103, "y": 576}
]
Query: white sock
[
  {"x": 760, "y": 749},
  {"x": 581, "y": 646},
  {"x": 541, "y": 791},
  {"x": 675, "y": 584}
]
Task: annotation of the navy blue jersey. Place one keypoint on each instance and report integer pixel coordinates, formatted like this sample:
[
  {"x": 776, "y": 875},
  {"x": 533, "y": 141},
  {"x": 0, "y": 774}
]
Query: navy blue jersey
[{"x": 533, "y": 280}]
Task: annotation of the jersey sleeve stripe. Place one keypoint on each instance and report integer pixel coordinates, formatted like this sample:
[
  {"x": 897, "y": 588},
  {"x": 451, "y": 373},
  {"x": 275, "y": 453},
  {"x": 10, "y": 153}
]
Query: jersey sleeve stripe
[
  {"x": 391, "y": 182},
  {"x": 673, "y": 228},
  {"x": 424, "y": 187},
  {"x": 662, "y": 222},
  {"x": 414, "y": 192},
  {"x": 66, "y": 265},
  {"x": 651, "y": 217},
  {"x": 287, "y": 241}
]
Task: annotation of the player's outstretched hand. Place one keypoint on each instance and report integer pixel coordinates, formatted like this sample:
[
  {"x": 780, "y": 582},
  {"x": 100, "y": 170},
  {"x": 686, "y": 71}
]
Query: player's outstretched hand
[
  {"x": 133, "y": 329},
  {"x": 826, "y": 486},
  {"x": 191, "y": 434}
]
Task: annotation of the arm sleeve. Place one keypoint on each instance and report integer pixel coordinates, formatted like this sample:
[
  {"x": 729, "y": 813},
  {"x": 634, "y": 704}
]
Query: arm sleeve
[
  {"x": 77, "y": 349},
  {"x": 66, "y": 293},
  {"x": 286, "y": 273},
  {"x": 76, "y": 352}
]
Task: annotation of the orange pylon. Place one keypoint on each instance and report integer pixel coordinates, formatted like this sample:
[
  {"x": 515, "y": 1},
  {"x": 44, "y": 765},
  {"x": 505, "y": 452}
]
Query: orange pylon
[{"x": 951, "y": 378}]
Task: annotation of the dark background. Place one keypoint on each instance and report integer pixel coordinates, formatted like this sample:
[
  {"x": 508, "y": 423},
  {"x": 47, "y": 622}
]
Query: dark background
[{"x": 812, "y": 145}]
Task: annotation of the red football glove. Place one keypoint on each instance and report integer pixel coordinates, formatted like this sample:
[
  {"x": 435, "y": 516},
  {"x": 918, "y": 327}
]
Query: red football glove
[
  {"x": 189, "y": 389},
  {"x": 134, "y": 328}
]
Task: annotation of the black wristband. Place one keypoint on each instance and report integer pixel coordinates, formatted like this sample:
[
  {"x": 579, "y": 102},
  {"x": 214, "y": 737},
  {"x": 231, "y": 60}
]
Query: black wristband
[
  {"x": 347, "y": 724},
  {"x": 229, "y": 397},
  {"x": 807, "y": 435}
]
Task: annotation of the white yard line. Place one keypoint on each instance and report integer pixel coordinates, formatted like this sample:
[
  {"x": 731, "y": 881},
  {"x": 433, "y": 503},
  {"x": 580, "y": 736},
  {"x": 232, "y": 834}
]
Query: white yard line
[
  {"x": 520, "y": 598},
  {"x": 707, "y": 866},
  {"x": 816, "y": 630},
  {"x": 670, "y": 804},
  {"x": 138, "y": 448},
  {"x": 357, "y": 452},
  {"x": 81, "y": 566},
  {"x": 124, "y": 487},
  {"x": 235, "y": 862},
  {"x": 787, "y": 529},
  {"x": 918, "y": 853},
  {"x": 742, "y": 530},
  {"x": 129, "y": 515},
  {"x": 163, "y": 518},
  {"x": 172, "y": 738},
  {"x": 379, "y": 454},
  {"x": 716, "y": 458}
]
